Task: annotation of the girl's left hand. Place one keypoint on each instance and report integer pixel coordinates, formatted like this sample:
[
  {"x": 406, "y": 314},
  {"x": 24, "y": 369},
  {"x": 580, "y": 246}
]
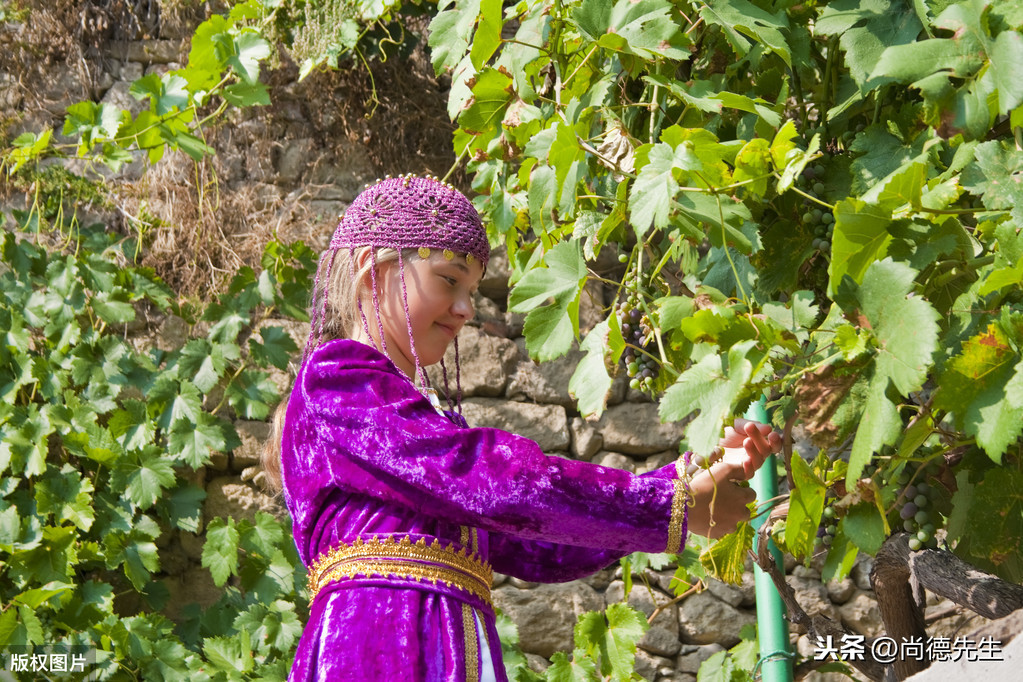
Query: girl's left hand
[
  {"x": 739, "y": 454},
  {"x": 748, "y": 444}
]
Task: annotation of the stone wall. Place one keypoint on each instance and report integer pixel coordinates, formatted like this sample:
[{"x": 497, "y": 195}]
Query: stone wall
[{"x": 305, "y": 163}]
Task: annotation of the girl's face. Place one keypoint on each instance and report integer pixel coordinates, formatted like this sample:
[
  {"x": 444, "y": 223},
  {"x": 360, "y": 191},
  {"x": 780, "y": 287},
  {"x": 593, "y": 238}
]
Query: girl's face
[{"x": 439, "y": 294}]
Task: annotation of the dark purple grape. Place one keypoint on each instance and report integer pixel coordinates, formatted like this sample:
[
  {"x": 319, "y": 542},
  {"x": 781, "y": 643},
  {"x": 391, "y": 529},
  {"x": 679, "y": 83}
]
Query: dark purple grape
[{"x": 909, "y": 510}]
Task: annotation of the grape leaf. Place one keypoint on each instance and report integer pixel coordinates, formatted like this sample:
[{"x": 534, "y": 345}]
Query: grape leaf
[
  {"x": 713, "y": 386},
  {"x": 983, "y": 387},
  {"x": 806, "y": 504},
  {"x": 614, "y": 635},
  {"x": 726, "y": 558},
  {"x": 590, "y": 382},
  {"x": 740, "y": 19},
  {"x": 580, "y": 669},
  {"x": 867, "y": 28},
  {"x": 220, "y": 552},
  {"x": 998, "y": 532},
  {"x": 550, "y": 329},
  {"x": 860, "y": 238}
]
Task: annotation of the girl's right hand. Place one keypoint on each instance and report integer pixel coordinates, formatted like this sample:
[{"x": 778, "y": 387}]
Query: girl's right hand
[{"x": 719, "y": 496}]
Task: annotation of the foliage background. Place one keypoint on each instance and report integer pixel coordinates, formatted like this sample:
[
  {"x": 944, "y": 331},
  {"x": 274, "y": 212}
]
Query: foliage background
[{"x": 814, "y": 200}]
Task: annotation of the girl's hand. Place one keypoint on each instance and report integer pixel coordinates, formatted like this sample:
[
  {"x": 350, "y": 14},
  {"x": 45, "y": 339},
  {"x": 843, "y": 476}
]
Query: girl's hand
[{"x": 718, "y": 501}]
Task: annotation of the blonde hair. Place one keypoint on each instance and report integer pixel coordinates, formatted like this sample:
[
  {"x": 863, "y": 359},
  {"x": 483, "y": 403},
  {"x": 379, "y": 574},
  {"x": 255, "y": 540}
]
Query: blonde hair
[{"x": 335, "y": 300}]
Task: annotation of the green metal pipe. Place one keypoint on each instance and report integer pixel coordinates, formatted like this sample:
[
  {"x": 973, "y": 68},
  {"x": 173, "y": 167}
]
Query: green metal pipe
[{"x": 772, "y": 627}]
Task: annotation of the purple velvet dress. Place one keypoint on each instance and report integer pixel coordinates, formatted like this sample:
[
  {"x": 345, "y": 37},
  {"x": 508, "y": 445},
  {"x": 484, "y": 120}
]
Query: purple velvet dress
[{"x": 366, "y": 457}]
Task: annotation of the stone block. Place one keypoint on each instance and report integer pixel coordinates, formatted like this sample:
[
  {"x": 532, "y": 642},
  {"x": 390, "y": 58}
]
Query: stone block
[
  {"x": 545, "y": 424},
  {"x": 636, "y": 429},
  {"x": 705, "y": 619},
  {"x": 544, "y": 383},
  {"x": 486, "y": 362},
  {"x": 861, "y": 615},
  {"x": 546, "y": 615},
  {"x": 253, "y": 435},
  {"x": 586, "y": 440},
  {"x": 226, "y": 496}
]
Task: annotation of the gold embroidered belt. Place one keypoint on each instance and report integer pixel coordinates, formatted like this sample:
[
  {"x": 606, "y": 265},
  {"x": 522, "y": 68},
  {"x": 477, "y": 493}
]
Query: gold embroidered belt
[{"x": 419, "y": 561}]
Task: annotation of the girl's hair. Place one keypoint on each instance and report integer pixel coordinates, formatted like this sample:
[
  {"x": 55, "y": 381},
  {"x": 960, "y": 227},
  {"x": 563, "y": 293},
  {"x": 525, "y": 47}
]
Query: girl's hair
[{"x": 338, "y": 294}]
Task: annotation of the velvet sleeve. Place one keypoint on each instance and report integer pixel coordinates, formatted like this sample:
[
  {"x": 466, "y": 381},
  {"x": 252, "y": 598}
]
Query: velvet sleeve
[
  {"x": 355, "y": 423},
  {"x": 549, "y": 562}
]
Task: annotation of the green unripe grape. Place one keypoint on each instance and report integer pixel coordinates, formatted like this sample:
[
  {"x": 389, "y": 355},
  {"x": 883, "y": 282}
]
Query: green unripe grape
[
  {"x": 634, "y": 384},
  {"x": 633, "y": 367},
  {"x": 928, "y": 528},
  {"x": 818, "y": 214},
  {"x": 932, "y": 543},
  {"x": 818, "y": 187},
  {"x": 827, "y": 540},
  {"x": 921, "y": 500},
  {"x": 909, "y": 525},
  {"x": 915, "y": 544},
  {"x": 923, "y": 488},
  {"x": 904, "y": 477},
  {"x": 623, "y": 257},
  {"x": 827, "y": 218},
  {"x": 808, "y": 218},
  {"x": 922, "y": 536},
  {"x": 922, "y": 517},
  {"x": 829, "y": 512}
]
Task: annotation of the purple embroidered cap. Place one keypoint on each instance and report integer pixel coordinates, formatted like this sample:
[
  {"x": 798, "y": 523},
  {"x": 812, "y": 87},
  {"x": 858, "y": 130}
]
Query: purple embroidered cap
[{"x": 410, "y": 212}]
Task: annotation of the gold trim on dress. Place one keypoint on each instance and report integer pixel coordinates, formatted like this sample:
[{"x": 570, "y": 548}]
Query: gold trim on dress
[
  {"x": 404, "y": 559},
  {"x": 472, "y": 644},
  {"x": 680, "y": 502}
]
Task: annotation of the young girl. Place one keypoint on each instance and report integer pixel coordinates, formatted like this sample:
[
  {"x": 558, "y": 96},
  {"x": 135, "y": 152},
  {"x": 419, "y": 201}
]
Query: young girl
[{"x": 401, "y": 512}]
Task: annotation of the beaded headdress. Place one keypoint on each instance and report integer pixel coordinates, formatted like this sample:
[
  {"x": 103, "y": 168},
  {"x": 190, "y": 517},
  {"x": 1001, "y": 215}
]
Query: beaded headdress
[{"x": 406, "y": 212}]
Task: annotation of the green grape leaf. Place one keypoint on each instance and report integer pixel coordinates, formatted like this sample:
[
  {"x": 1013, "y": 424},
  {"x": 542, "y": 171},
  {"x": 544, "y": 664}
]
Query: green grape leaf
[
  {"x": 713, "y": 386},
  {"x": 718, "y": 668},
  {"x": 580, "y": 669},
  {"x": 904, "y": 325},
  {"x": 131, "y": 425},
  {"x": 860, "y": 238},
  {"x": 983, "y": 387},
  {"x": 220, "y": 552},
  {"x": 275, "y": 350},
  {"x": 550, "y": 329},
  {"x": 654, "y": 188},
  {"x": 1006, "y": 66},
  {"x": 192, "y": 442},
  {"x": 644, "y": 28},
  {"x": 997, "y": 533},
  {"x": 145, "y": 475},
  {"x": 613, "y": 634},
  {"x": 864, "y": 527},
  {"x": 247, "y": 94},
  {"x": 230, "y": 654},
  {"x": 841, "y": 557},
  {"x": 590, "y": 382},
  {"x": 492, "y": 92},
  {"x": 183, "y": 506},
  {"x": 726, "y": 558},
  {"x": 806, "y": 504},
  {"x": 740, "y": 19},
  {"x": 450, "y": 31},
  {"x": 68, "y": 496},
  {"x": 867, "y": 28},
  {"x": 251, "y": 394},
  {"x": 488, "y": 33},
  {"x": 997, "y": 174},
  {"x": 263, "y": 536},
  {"x": 249, "y": 50}
]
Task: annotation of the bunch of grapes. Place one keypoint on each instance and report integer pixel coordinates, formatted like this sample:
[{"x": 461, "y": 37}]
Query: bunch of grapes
[
  {"x": 642, "y": 369},
  {"x": 917, "y": 513},
  {"x": 817, "y": 217},
  {"x": 828, "y": 527}
]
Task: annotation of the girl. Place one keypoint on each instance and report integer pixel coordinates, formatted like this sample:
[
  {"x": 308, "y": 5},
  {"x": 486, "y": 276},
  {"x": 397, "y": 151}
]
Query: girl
[{"x": 402, "y": 512}]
